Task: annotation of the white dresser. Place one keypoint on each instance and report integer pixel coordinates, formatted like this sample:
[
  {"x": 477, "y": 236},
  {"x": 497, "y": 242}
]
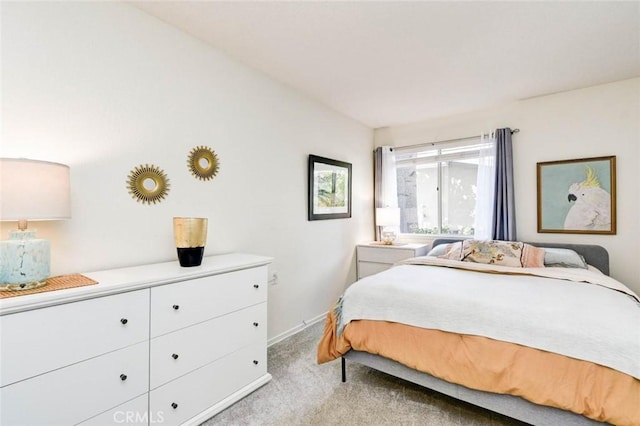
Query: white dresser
[
  {"x": 154, "y": 344},
  {"x": 376, "y": 257}
]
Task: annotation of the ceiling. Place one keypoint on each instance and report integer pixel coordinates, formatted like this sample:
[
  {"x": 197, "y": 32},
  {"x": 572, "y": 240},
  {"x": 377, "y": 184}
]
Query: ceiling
[{"x": 388, "y": 63}]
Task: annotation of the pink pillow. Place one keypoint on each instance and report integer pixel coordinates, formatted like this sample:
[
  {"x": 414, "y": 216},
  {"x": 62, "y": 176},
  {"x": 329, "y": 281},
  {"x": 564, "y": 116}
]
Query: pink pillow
[{"x": 532, "y": 256}]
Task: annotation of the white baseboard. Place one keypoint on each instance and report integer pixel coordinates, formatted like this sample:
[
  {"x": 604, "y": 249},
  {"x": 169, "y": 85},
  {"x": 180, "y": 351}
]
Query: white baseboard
[
  {"x": 228, "y": 401},
  {"x": 295, "y": 330}
]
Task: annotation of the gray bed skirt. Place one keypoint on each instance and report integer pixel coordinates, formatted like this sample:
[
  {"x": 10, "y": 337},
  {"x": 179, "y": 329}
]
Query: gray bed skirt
[{"x": 508, "y": 405}]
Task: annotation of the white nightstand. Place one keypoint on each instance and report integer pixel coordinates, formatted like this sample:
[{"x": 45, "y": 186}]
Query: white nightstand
[{"x": 373, "y": 257}]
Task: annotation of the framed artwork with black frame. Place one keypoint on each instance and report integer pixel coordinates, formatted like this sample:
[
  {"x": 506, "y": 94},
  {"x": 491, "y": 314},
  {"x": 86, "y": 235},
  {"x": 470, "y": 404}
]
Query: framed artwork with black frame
[
  {"x": 577, "y": 196},
  {"x": 329, "y": 193}
]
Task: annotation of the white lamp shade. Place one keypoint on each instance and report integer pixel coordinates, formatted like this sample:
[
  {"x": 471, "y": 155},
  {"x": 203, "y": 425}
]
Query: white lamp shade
[
  {"x": 33, "y": 190},
  {"x": 388, "y": 216}
]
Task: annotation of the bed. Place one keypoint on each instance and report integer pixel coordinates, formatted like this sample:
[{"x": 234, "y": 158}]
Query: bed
[{"x": 564, "y": 352}]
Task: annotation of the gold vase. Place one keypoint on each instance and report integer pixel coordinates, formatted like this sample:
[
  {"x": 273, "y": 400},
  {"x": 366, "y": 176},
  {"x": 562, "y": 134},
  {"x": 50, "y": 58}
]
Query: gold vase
[{"x": 190, "y": 235}]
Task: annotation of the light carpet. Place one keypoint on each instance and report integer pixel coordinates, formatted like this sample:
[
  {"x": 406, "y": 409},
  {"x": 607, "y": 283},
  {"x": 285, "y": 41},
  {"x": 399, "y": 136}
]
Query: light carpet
[{"x": 305, "y": 393}]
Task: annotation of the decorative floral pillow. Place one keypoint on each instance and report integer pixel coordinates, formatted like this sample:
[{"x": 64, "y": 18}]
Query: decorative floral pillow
[{"x": 505, "y": 253}]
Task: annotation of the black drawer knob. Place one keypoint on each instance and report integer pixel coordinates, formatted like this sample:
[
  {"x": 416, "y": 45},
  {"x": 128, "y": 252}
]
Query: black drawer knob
[
  {"x": 255, "y": 324},
  {"x": 256, "y": 286},
  {"x": 255, "y": 361},
  {"x": 174, "y": 405},
  {"x": 124, "y": 320},
  {"x": 176, "y": 307},
  {"x": 174, "y": 356},
  {"x": 123, "y": 377}
]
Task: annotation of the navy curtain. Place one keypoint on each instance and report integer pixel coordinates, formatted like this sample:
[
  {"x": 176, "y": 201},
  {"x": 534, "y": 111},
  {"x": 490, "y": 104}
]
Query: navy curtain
[{"x": 503, "y": 225}]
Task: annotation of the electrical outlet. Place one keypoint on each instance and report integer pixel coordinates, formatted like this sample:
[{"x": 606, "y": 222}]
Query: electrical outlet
[{"x": 273, "y": 278}]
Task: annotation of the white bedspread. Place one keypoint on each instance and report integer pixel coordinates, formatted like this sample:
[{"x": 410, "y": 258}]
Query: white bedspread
[{"x": 571, "y": 318}]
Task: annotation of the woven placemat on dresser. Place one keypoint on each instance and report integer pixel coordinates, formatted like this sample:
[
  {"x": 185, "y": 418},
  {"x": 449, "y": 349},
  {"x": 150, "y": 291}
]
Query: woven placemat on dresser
[{"x": 54, "y": 283}]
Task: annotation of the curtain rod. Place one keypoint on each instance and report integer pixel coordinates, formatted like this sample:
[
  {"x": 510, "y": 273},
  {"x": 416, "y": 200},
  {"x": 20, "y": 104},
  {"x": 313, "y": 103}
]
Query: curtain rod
[{"x": 448, "y": 140}]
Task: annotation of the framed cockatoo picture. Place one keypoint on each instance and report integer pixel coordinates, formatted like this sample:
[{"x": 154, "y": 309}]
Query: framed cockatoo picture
[{"x": 577, "y": 196}]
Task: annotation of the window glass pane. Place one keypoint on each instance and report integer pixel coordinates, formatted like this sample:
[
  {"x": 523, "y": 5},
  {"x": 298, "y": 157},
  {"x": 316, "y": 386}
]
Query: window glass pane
[
  {"x": 418, "y": 199},
  {"x": 437, "y": 188},
  {"x": 407, "y": 198},
  {"x": 413, "y": 155},
  {"x": 462, "y": 149},
  {"x": 459, "y": 196},
  {"x": 427, "y": 199}
]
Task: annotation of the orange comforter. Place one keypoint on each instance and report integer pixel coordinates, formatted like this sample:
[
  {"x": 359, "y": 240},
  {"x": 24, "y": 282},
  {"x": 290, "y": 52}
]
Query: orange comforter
[{"x": 481, "y": 363}]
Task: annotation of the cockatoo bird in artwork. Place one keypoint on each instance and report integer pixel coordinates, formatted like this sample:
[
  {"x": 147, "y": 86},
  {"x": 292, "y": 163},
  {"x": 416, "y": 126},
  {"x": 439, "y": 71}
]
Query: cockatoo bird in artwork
[{"x": 591, "y": 209}]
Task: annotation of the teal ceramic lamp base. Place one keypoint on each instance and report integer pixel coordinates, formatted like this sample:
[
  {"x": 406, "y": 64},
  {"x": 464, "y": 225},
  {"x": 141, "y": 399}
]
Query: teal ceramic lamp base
[{"x": 24, "y": 261}]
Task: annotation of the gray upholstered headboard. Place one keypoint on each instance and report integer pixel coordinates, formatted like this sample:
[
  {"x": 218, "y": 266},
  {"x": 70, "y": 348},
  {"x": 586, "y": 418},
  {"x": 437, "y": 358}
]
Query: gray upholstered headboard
[{"x": 593, "y": 254}]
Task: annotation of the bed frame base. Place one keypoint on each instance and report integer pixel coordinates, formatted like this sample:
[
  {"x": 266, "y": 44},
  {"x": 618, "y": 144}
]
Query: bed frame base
[{"x": 508, "y": 405}]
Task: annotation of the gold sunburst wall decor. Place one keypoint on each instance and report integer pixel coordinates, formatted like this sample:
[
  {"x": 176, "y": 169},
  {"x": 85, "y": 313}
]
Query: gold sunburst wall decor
[
  {"x": 203, "y": 163},
  {"x": 148, "y": 184}
]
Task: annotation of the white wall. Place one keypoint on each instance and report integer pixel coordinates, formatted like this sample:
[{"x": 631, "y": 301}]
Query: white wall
[
  {"x": 103, "y": 87},
  {"x": 596, "y": 121}
]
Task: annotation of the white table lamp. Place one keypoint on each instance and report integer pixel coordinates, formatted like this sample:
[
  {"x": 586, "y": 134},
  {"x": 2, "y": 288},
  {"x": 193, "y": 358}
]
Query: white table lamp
[
  {"x": 29, "y": 190},
  {"x": 388, "y": 218}
]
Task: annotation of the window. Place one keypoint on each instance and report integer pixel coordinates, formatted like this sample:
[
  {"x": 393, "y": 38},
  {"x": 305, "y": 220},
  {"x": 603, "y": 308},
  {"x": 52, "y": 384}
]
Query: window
[{"x": 437, "y": 187}]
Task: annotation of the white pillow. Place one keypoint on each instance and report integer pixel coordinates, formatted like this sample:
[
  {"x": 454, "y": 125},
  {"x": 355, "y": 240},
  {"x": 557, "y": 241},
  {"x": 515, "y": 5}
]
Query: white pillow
[
  {"x": 438, "y": 250},
  {"x": 565, "y": 258}
]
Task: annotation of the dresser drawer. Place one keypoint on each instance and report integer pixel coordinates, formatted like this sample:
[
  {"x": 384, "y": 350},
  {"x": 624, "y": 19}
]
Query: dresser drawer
[
  {"x": 76, "y": 393},
  {"x": 177, "y": 353},
  {"x": 37, "y": 341},
  {"x": 131, "y": 413},
  {"x": 179, "y": 305},
  {"x": 381, "y": 254},
  {"x": 202, "y": 388}
]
